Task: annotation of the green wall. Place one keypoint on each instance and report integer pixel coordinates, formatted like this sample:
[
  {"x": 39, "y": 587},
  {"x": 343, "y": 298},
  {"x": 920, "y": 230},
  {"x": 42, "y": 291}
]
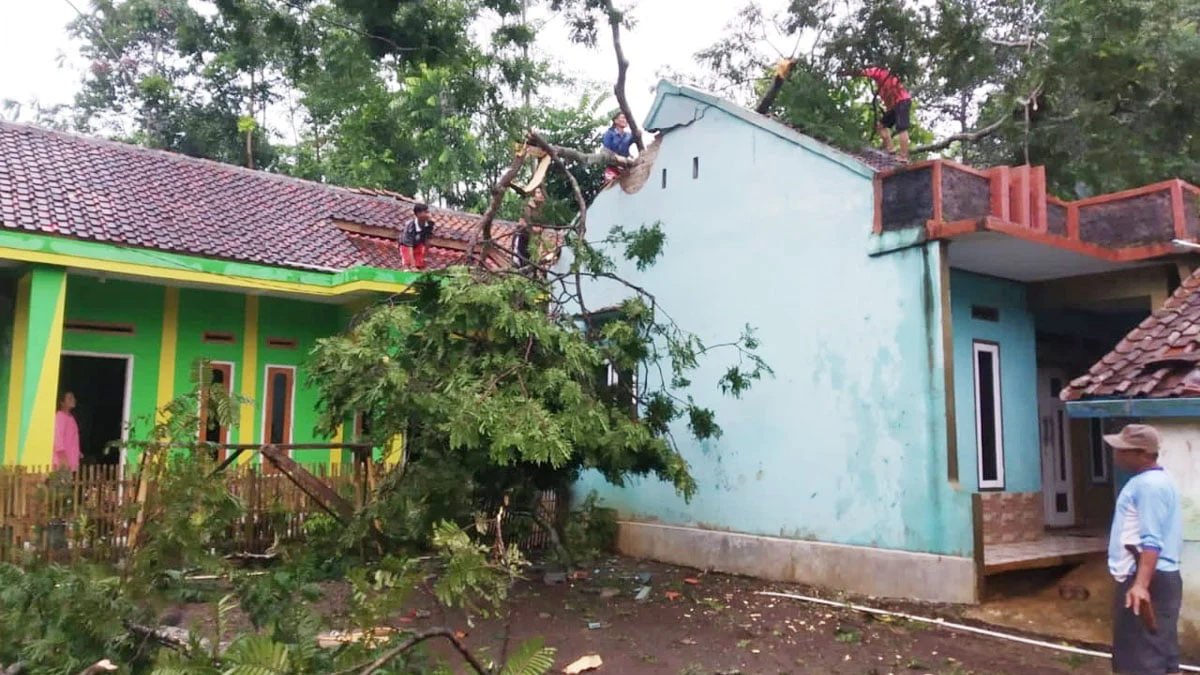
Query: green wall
[
  {"x": 121, "y": 302},
  {"x": 201, "y": 311},
  {"x": 305, "y": 323}
]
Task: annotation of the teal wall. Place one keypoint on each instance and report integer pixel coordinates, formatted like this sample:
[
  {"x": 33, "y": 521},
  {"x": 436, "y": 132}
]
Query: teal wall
[
  {"x": 847, "y": 444},
  {"x": 1016, "y": 334},
  {"x": 121, "y": 302}
]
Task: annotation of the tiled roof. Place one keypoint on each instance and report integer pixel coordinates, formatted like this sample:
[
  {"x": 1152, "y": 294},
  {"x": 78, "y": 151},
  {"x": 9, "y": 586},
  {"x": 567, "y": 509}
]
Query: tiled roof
[
  {"x": 86, "y": 188},
  {"x": 1158, "y": 359},
  {"x": 878, "y": 159}
]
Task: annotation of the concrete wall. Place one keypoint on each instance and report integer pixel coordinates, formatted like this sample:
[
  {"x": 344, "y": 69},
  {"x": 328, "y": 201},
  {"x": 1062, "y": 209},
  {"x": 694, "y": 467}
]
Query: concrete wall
[
  {"x": 847, "y": 444},
  {"x": 1180, "y": 456},
  {"x": 1015, "y": 333}
]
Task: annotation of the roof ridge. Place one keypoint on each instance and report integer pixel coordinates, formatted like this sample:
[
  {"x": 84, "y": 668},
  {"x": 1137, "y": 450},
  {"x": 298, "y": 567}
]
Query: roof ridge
[{"x": 829, "y": 151}]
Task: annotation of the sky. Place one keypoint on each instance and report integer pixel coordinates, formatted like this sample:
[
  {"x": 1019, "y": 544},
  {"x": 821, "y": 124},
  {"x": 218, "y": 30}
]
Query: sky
[{"x": 39, "y": 61}]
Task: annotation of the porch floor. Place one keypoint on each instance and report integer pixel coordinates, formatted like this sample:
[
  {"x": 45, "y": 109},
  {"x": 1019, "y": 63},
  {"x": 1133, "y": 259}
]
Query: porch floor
[{"x": 1053, "y": 550}]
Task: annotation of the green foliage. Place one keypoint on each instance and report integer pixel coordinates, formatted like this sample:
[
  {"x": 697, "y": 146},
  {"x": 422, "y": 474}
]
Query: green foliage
[
  {"x": 60, "y": 620},
  {"x": 531, "y": 658},
  {"x": 1098, "y": 93},
  {"x": 590, "y": 530},
  {"x": 471, "y": 580}
]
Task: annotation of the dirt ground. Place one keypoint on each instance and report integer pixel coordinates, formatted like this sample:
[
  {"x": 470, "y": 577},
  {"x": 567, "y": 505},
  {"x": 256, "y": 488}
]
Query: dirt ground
[
  {"x": 1072, "y": 604},
  {"x": 711, "y": 624}
]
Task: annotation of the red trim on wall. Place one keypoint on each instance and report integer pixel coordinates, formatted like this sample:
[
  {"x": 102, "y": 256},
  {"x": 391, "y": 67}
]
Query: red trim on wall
[
  {"x": 936, "y": 230},
  {"x": 937, "y": 191},
  {"x": 982, "y": 173},
  {"x": 1126, "y": 194},
  {"x": 1040, "y": 218},
  {"x": 999, "y": 192},
  {"x": 1177, "y": 210},
  {"x": 1019, "y": 196}
]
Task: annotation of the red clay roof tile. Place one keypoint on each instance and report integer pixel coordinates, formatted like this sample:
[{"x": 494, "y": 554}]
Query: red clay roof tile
[
  {"x": 104, "y": 191},
  {"x": 1155, "y": 360}
]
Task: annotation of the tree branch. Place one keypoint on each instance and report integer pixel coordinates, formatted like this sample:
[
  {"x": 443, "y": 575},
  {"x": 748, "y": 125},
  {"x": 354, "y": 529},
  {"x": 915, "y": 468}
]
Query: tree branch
[
  {"x": 1027, "y": 43},
  {"x": 965, "y": 137},
  {"x": 556, "y": 154},
  {"x": 602, "y": 156},
  {"x": 484, "y": 232},
  {"x": 614, "y": 22},
  {"x": 417, "y": 639}
]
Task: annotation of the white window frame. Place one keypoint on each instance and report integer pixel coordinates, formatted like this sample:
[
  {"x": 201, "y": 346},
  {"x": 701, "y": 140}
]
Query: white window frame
[
  {"x": 977, "y": 348},
  {"x": 1096, "y": 438}
]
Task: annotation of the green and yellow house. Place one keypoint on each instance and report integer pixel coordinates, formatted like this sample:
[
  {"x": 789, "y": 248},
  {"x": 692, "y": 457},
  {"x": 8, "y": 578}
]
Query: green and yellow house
[{"x": 122, "y": 267}]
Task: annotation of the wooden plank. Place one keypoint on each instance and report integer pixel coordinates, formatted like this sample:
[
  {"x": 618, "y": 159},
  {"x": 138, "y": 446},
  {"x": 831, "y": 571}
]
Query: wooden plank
[
  {"x": 1053, "y": 560},
  {"x": 322, "y": 494}
]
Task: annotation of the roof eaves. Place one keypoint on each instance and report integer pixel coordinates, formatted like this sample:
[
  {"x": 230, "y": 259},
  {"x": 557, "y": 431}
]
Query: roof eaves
[
  {"x": 1134, "y": 407},
  {"x": 667, "y": 88}
]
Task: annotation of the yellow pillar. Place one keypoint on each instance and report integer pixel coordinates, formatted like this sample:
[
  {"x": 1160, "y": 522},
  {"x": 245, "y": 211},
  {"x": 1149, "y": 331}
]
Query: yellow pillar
[
  {"x": 246, "y": 427},
  {"x": 37, "y": 354}
]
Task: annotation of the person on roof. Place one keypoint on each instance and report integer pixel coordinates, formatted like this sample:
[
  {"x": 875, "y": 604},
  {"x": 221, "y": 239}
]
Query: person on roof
[
  {"x": 618, "y": 139},
  {"x": 897, "y": 104},
  {"x": 414, "y": 237}
]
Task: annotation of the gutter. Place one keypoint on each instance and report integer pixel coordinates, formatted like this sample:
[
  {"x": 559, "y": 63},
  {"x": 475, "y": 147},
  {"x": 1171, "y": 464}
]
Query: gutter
[
  {"x": 1133, "y": 407},
  {"x": 180, "y": 269}
]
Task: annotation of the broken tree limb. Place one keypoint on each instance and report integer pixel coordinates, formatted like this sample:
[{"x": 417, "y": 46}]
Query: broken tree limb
[
  {"x": 418, "y": 638},
  {"x": 484, "y": 232},
  {"x": 178, "y": 639},
  {"x": 556, "y": 157},
  {"x": 965, "y": 137},
  {"x": 782, "y": 72},
  {"x": 614, "y": 22},
  {"x": 602, "y": 156}
]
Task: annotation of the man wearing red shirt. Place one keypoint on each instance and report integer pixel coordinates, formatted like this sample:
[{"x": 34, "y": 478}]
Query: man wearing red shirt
[{"x": 897, "y": 103}]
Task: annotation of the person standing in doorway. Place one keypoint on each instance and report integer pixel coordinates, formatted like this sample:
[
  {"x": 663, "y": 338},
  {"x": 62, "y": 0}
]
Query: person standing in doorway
[
  {"x": 618, "y": 139},
  {"x": 415, "y": 236},
  {"x": 1143, "y": 557},
  {"x": 897, "y": 103},
  {"x": 66, "y": 435}
]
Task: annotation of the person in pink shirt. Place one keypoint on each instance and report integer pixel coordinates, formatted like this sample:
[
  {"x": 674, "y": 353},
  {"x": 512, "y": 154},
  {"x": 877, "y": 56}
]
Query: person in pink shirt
[{"x": 66, "y": 435}]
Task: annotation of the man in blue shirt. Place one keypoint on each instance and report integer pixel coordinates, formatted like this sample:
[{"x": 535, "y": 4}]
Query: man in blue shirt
[
  {"x": 1143, "y": 556},
  {"x": 617, "y": 139}
]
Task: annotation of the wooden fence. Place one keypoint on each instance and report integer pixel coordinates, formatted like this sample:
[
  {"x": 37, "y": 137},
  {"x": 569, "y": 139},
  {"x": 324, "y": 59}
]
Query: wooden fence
[
  {"x": 67, "y": 516},
  {"x": 86, "y": 514}
]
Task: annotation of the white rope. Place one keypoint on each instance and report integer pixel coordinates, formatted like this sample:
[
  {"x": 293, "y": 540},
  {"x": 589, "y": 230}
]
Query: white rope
[{"x": 954, "y": 626}]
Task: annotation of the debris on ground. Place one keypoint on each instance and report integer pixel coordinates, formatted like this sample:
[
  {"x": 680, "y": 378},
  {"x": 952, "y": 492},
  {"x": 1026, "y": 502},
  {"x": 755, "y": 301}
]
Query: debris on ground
[{"x": 590, "y": 662}]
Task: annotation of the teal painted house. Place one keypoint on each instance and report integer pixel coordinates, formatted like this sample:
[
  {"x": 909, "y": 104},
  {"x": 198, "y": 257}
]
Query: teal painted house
[{"x": 920, "y": 320}]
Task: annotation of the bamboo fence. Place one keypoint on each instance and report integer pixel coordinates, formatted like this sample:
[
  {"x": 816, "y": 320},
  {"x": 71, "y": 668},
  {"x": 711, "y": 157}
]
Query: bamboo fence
[{"x": 67, "y": 516}]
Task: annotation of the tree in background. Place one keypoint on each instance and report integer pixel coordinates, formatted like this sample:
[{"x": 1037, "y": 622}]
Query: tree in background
[{"x": 1097, "y": 93}]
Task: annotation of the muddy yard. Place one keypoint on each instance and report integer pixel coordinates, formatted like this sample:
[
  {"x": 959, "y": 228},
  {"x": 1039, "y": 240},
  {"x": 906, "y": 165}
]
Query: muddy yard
[{"x": 693, "y": 623}]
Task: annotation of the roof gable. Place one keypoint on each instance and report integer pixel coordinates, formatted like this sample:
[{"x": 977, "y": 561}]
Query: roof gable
[{"x": 666, "y": 91}]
